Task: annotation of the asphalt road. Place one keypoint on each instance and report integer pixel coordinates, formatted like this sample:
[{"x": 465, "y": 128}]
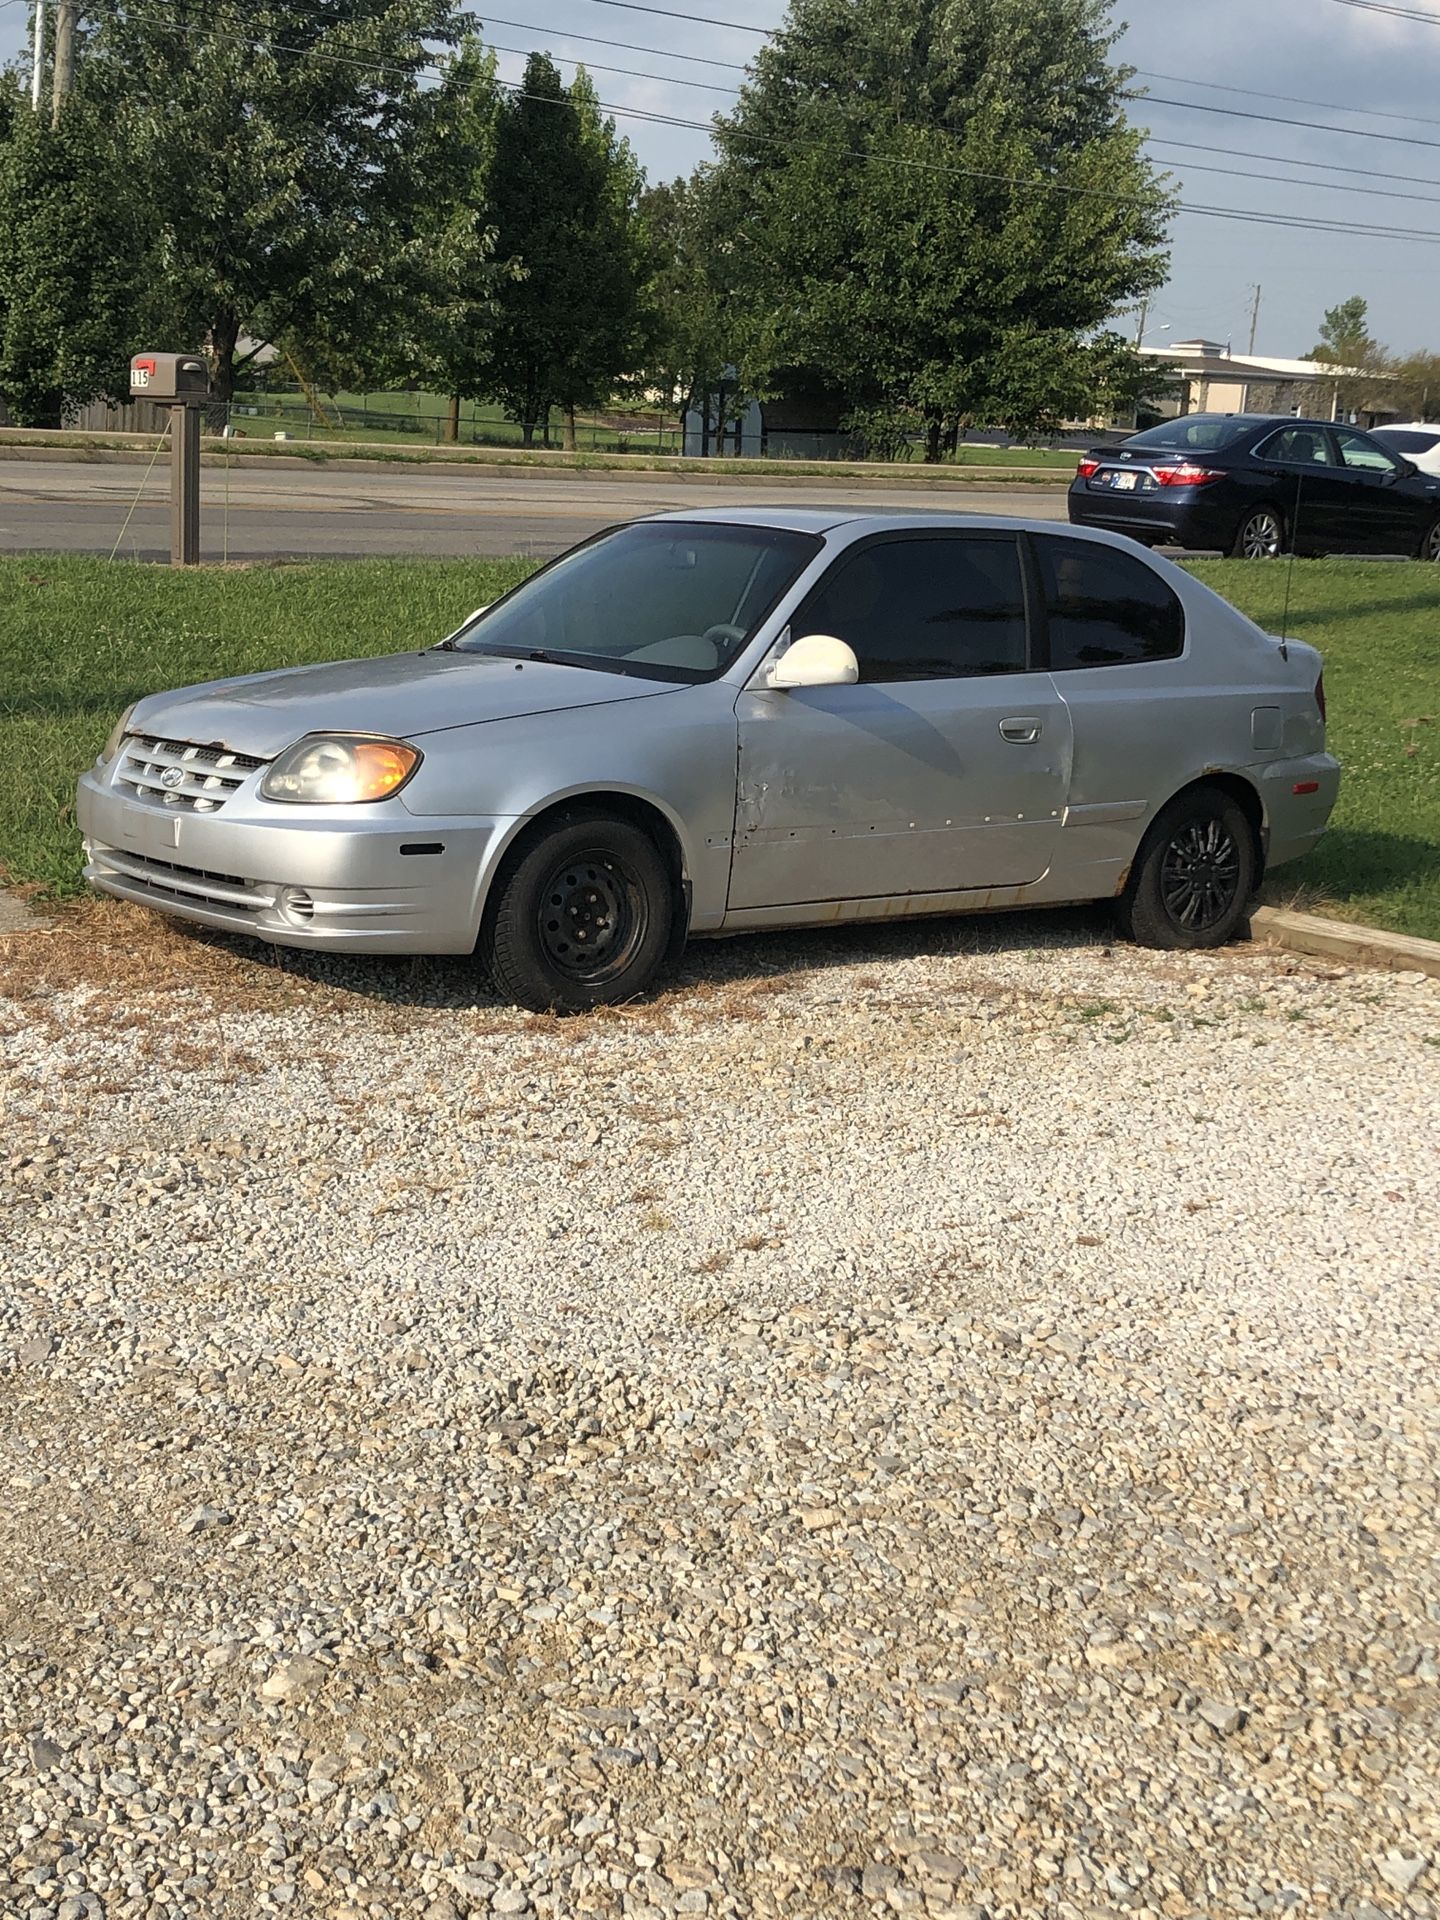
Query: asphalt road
[{"x": 259, "y": 510}]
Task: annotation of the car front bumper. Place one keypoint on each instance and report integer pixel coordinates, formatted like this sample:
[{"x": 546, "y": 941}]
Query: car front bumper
[
  {"x": 1169, "y": 516},
  {"x": 360, "y": 880}
]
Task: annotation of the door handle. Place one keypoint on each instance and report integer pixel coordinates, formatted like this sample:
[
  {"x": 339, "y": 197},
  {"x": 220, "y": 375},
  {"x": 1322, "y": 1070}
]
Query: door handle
[{"x": 1020, "y": 731}]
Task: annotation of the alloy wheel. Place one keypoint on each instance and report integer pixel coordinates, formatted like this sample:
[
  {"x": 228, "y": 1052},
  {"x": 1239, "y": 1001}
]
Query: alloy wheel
[
  {"x": 1431, "y": 548},
  {"x": 1260, "y": 537},
  {"x": 1200, "y": 875}
]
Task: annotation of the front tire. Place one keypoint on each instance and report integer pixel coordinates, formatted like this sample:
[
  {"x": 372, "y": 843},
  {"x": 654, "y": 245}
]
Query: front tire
[
  {"x": 1259, "y": 536},
  {"x": 1429, "y": 548},
  {"x": 1193, "y": 877},
  {"x": 582, "y": 917}
]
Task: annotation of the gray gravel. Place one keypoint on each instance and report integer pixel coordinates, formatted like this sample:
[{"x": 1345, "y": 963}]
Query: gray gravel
[{"x": 949, "y": 1429}]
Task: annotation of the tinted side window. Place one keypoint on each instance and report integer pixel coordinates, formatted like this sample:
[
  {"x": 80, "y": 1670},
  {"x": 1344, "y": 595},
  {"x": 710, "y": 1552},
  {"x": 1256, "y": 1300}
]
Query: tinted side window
[
  {"x": 1300, "y": 446},
  {"x": 1365, "y": 456},
  {"x": 925, "y": 609},
  {"x": 1409, "y": 443},
  {"x": 1105, "y": 609}
]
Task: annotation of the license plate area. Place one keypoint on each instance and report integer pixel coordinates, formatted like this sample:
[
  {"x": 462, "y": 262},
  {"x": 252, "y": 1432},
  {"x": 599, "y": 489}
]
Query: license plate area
[{"x": 1125, "y": 480}]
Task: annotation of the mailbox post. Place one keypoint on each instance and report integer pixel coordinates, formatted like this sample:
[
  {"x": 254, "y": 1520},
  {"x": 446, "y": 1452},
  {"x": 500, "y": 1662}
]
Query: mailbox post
[{"x": 179, "y": 380}]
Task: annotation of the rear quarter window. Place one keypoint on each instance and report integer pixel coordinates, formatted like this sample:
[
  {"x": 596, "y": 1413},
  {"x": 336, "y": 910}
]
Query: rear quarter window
[{"x": 1104, "y": 608}]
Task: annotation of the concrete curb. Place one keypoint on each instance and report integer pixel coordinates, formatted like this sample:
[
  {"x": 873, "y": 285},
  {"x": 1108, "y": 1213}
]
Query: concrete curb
[
  {"x": 1342, "y": 940},
  {"x": 220, "y": 453}
]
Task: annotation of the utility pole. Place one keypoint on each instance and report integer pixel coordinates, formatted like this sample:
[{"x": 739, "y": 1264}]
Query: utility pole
[
  {"x": 39, "y": 54},
  {"x": 64, "y": 57},
  {"x": 1254, "y": 319}
]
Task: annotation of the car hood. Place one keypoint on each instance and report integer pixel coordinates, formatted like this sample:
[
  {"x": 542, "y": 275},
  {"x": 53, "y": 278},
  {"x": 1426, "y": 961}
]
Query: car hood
[{"x": 402, "y": 695}]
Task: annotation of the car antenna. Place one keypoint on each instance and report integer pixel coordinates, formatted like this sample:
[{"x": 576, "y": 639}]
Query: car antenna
[{"x": 1290, "y": 570}]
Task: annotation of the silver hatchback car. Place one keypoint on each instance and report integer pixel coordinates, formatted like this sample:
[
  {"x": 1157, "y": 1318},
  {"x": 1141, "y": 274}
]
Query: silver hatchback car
[{"x": 738, "y": 719}]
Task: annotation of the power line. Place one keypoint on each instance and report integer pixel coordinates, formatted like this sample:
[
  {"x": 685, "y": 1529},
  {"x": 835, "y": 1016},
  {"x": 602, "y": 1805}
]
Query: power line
[
  {"x": 1379, "y": 6},
  {"x": 596, "y": 66},
  {"x": 1286, "y": 99},
  {"x": 1294, "y": 160},
  {"x": 1280, "y": 120},
  {"x": 1325, "y": 186},
  {"x": 590, "y": 39},
  {"x": 694, "y": 19}
]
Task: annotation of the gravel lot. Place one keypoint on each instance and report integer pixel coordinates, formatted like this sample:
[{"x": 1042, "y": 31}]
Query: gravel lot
[{"x": 939, "y": 1421}]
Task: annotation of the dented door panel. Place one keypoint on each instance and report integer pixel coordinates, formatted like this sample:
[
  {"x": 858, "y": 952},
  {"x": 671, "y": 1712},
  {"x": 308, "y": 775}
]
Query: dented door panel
[{"x": 914, "y": 787}]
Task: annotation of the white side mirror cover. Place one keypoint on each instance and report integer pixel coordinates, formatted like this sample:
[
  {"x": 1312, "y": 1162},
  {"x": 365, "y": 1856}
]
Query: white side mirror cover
[
  {"x": 468, "y": 621},
  {"x": 817, "y": 660}
]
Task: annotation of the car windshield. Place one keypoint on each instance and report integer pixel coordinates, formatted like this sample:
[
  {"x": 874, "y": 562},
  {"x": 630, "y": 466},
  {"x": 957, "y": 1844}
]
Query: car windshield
[
  {"x": 670, "y": 600},
  {"x": 1193, "y": 433}
]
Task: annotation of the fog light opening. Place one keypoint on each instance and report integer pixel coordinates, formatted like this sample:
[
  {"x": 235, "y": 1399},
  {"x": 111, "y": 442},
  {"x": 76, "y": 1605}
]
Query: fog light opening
[{"x": 297, "y": 905}]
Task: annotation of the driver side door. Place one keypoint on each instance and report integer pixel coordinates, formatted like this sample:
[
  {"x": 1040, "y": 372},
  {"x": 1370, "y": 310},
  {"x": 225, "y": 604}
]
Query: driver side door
[{"x": 944, "y": 768}]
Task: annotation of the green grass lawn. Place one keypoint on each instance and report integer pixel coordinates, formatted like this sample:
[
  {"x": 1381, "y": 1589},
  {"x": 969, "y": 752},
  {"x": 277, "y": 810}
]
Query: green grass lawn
[
  {"x": 80, "y": 639},
  {"x": 1378, "y": 626}
]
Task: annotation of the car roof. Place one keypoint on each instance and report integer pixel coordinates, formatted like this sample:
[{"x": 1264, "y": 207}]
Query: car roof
[
  {"x": 860, "y": 520},
  {"x": 1257, "y": 420},
  {"x": 1407, "y": 426}
]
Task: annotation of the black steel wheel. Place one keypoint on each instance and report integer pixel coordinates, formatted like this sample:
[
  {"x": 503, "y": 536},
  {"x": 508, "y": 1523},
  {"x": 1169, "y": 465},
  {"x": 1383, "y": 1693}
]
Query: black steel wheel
[
  {"x": 582, "y": 916},
  {"x": 1260, "y": 535},
  {"x": 1195, "y": 873},
  {"x": 591, "y": 915}
]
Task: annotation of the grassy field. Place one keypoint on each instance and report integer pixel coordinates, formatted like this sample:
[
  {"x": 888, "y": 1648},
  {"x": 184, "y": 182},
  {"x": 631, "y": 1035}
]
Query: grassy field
[{"x": 81, "y": 639}]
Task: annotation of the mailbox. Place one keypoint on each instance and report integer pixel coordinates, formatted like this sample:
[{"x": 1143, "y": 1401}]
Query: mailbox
[{"x": 176, "y": 379}]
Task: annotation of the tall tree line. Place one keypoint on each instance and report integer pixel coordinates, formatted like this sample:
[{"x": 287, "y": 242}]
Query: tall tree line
[{"x": 926, "y": 210}]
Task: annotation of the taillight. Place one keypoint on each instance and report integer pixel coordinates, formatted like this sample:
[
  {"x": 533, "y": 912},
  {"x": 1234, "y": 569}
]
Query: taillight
[
  {"x": 1320, "y": 696},
  {"x": 1086, "y": 467},
  {"x": 1186, "y": 475}
]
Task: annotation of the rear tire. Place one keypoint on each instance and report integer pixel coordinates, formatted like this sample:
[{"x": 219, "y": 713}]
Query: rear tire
[
  {"x": 1192, "y": 879},
  {"x": 1260, "y": 535},
  {"x": 582, "y": 917}
]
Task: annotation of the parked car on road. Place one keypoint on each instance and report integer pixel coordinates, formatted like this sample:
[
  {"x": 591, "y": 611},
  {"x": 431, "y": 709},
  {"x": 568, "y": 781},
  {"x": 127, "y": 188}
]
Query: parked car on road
[
  {"x": 734, "y": 720},
  {"x": 1256, "y": 485},
  {"x": 1417, "y": 441}
]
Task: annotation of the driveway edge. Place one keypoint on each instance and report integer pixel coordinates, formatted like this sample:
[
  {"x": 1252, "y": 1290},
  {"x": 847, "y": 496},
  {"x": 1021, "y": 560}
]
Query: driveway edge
[{"x": 1343, "y": 940}]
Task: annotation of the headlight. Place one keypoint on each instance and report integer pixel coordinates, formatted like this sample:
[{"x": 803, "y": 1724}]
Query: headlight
[
  {"x": 336, "y": 770},
  {"x": 117, "y": 734}
]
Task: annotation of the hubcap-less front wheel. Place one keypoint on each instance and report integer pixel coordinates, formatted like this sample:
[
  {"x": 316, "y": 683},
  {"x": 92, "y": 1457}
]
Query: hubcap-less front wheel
[
  {"x": 592, "y": 917},
  {"x": 1199, "y": 875},
  {"x": 1260, "y": 536}
]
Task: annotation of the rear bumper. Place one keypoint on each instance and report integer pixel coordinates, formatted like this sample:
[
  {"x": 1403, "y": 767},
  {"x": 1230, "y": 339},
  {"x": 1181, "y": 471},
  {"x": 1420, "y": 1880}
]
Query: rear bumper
[
  {"x": 1296, "y": 822},
  {"x": 358, "y": 881},
  {"x": 1175, "y": 516}
]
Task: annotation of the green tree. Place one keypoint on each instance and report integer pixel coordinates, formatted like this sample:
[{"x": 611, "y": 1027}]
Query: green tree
[
  {"x": 76, "y": 261},
  {"x": 289, "y": 152},
  {"x": 694, "y": 339},
  {"x": 937, "y": 205},
  {"x": 1346, "y": 342},
  {"x": 1416, "y": 392},
  {"x": 1345, "y": 334},
  {"x": 565, "y": 192}
]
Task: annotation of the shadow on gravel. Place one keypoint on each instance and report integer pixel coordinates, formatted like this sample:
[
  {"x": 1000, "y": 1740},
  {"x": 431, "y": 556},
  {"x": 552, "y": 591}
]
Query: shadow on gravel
[{"x": 708, "y": 965}]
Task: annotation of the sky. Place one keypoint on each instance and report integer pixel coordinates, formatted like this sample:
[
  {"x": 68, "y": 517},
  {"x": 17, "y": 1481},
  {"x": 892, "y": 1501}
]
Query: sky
[{"x": 1364, "y": 65}]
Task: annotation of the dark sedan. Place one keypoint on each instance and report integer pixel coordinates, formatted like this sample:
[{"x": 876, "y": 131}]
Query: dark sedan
[{"x": 1256, "y": 485}]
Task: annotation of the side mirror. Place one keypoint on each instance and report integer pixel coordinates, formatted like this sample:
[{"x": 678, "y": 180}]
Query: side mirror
[
  {"x": 819, "y": 660},
  {"x": 469, "y": 620}
]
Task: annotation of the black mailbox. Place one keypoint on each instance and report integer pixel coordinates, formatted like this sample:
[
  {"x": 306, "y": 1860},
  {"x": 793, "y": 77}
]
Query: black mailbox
[{"x": 177, "y": 378}]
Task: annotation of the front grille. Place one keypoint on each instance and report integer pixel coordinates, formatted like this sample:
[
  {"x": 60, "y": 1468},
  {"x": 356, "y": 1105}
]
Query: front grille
[
  {"x": 176, "y": 774},
  {"x": 165, "y": 880}
]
